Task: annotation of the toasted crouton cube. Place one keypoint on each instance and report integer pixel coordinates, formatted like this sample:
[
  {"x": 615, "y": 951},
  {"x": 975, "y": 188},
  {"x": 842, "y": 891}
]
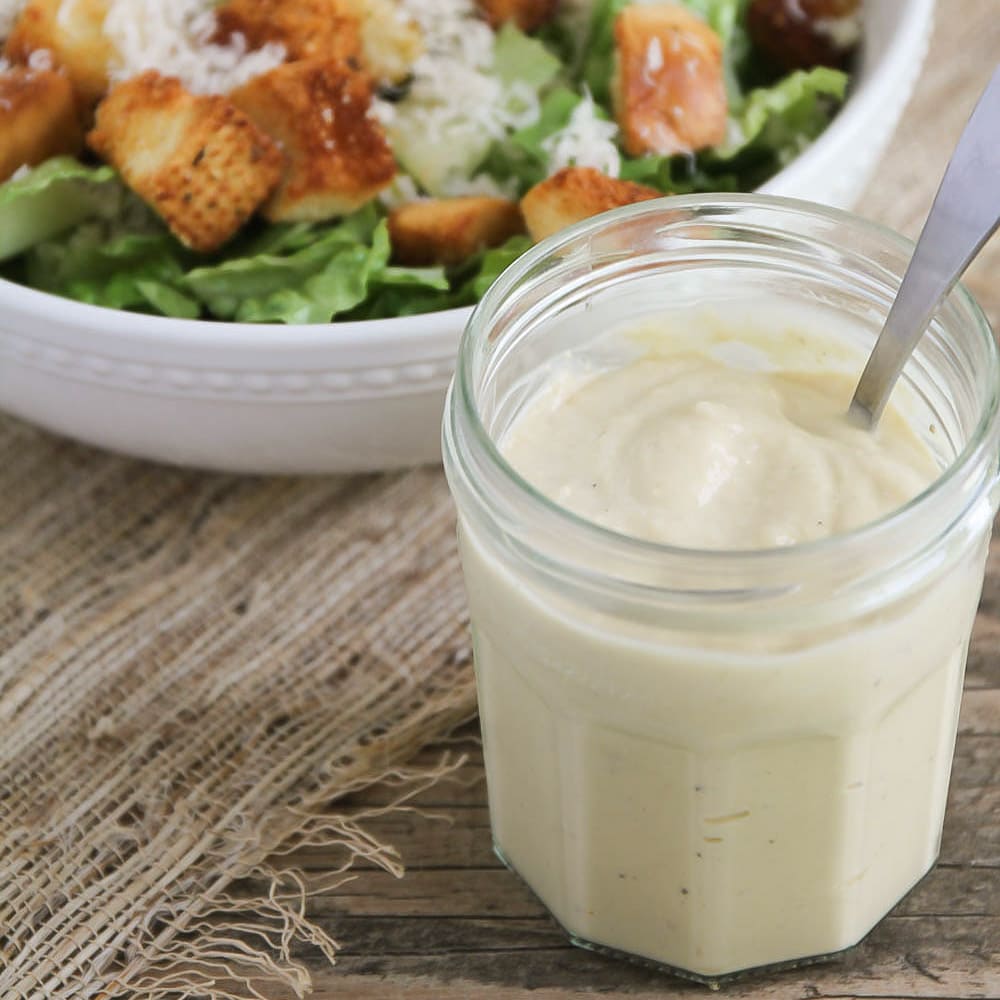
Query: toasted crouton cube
[
  {"x": 526, "y": 14},
  {"x": 308, "y": 29},
  {"x": 73, "y": 33},
  {"x": 391, "y": 41},
  {"x": 574, "y": 194},
  {"x": 669, "y": 91},
  {"x": 319, "y": 111},
  {"x": 37, "y": 118},
  {"x": 198, "y": 161},
  {"x": 451, "y": 230}
]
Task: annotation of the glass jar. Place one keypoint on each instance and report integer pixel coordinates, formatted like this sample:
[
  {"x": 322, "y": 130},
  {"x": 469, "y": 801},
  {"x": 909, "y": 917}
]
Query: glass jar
[{"x": 719, "y": 760}]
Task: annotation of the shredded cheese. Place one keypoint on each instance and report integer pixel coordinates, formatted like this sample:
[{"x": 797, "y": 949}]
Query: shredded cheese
[
  {"x": 455, "y": 99},
  {"x": 174, "y": 37},
  {"x": 586, "y": 140}
]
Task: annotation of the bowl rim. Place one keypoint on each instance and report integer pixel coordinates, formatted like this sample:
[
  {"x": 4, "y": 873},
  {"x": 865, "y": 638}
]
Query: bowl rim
[{"x": 422, "y": 328}]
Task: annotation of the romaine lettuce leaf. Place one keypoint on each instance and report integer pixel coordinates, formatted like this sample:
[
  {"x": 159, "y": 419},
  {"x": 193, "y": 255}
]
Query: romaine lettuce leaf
[
  {"x": 677, "y": 174},
  {"x": 781, "y": 120},
  {"x": 130, "y": 270},
  {"x": 328, "y": 276},
  {"x": 51, "y": 198},
  {"x": 490, "y": 266},
  {"x": 519, "y": 59},
  {"x": 425, "y": 291},
  {"x": 291, "y": 273},
  {"x": 598, "y": 67}
]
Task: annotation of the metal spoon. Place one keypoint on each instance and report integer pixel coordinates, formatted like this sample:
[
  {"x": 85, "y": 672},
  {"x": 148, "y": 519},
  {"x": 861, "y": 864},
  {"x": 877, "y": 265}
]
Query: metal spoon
[{"x": 965, "y": 213}]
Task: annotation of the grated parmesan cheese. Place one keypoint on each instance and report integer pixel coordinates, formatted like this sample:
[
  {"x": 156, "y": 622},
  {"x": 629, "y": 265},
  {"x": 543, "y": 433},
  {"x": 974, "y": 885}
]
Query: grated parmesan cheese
[
  {"x": 454, "y": 102},
  {"x": 9, "y": 11},
  {"x": 586, "y": 140},
  {"x": 174, "y": 37}
]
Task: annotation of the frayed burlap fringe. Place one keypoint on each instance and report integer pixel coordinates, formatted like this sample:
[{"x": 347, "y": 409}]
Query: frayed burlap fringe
[{"x": 194, "y": 669}]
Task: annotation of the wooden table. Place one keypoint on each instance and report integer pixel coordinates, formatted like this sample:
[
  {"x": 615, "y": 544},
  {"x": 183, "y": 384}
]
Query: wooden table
[{"x": 460, "y": 926}]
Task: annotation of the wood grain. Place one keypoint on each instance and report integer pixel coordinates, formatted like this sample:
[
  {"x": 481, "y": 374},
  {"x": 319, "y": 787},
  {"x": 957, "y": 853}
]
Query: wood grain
[{"x": 460, "y": 926}]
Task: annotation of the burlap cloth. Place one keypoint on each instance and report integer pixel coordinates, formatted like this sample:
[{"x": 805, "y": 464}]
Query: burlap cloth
[{"x": 193, "y": 668}]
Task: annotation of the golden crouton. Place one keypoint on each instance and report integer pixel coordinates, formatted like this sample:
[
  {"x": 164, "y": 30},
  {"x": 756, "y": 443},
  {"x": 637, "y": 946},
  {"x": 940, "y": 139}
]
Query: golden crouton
[
  {"x": 574, "y": 194},
  {"x": 37, "y": 118},
  {"x": 391, "y": 41},
  {"x": 73, "y": 33},
  {"x": 319, "y": 111},
  {"x": 308, "y": 29},
  {"x": 198, "y": 161},
  {"x": 526, "y": 14},
  {"x": 669, "y": 92},
  {"x": 451, "y": 230}
]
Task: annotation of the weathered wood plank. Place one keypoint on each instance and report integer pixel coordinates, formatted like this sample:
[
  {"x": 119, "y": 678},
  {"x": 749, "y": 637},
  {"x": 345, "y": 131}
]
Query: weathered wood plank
[
  {"x": 902, "y": 957},
  {"x": 980, "y": 713},
  {"x": 486, "y": 893},
  {"x": 972, "y": 827}
]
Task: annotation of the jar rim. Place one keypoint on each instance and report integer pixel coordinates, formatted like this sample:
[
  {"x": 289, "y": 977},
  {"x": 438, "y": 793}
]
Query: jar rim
[{"x": 462, "y": 393}]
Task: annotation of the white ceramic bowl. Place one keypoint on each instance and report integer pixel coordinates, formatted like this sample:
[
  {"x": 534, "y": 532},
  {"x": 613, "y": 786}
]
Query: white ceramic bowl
[{"x": 345, "y": 397}]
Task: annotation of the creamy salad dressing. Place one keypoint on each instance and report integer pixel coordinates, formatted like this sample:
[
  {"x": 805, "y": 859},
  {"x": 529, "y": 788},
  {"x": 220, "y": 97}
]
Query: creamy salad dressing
[
  {"x": 715, "y": 801},
  {"x": 690, "y": 451}
]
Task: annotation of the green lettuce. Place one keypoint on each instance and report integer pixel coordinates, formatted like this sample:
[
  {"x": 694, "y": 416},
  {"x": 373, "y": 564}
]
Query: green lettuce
[
  {"x": 312, "y": 274},
  {"x": 523, "y": 60},
  {"x": 327, "y": 276},
  {"x": 288, "y": 273},
  {"x": 678, "y": 174},
  {"x": 728, "y": 19},
  {"x": 598, "y": 66},
  {"x": 522, "y": 155},
  {"x": 781, "y": 120},
  {"x": 50, "y": 199},
  {"x": 489, "y": 267},
  {"x": 129, "y": 270},
  {"x": 442, "y": 289}
]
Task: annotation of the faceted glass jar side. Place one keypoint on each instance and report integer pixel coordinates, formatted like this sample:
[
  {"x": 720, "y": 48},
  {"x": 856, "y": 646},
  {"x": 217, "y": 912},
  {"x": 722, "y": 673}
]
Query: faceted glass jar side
[{"x": 718, "y": 761}]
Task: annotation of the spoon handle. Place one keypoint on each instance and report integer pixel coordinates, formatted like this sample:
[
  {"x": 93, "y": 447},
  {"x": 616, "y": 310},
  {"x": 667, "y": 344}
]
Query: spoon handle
[{"x": 965, "y": 213}]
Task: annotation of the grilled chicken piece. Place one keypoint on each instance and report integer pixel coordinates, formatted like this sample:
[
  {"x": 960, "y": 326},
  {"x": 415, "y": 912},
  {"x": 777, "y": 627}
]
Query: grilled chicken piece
[
  {"x": 574, "y": 194},
  {"x": 669, "y": 91},
  {"x": 198, "y": 161},
  {"x": 451, "y": 230},
  {"x": 337, "y": 156}
]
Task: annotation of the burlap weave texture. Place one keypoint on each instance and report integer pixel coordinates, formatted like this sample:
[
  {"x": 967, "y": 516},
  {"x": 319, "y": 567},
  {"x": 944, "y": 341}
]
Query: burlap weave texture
[{"x": 192, "y": 668}]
